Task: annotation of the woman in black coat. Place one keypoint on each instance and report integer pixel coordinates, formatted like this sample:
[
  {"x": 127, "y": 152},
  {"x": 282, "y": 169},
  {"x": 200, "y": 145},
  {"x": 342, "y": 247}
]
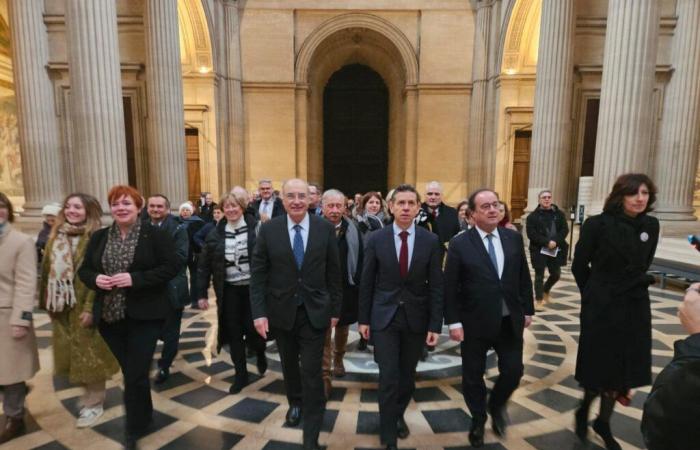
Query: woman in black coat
[
  {"x": 610, "y": 266},
  {"x": 225, "y": 258},
  {"x": 129, "y": 265}
]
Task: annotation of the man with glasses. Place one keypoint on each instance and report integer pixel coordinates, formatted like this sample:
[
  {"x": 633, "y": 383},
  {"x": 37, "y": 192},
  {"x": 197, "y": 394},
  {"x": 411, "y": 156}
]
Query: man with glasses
[
  {"x": 547, "y": 231},
  {"x": 488, "y": 303},
  {"x": 268, "y": 206},
  {"x": 296, "y": 292}
]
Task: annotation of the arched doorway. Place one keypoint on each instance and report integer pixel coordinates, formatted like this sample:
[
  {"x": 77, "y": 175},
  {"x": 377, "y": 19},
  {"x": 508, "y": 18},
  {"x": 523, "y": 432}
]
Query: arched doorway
[{"x": 355, "y": 130}]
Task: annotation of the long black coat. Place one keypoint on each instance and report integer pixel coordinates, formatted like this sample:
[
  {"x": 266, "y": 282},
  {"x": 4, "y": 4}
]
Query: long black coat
[
  {"x": 212, "y": 266},
  {"x": 610, "y": 263},
  {"x": 537, "y": 228},
  {"x": 351, "y": 292}
]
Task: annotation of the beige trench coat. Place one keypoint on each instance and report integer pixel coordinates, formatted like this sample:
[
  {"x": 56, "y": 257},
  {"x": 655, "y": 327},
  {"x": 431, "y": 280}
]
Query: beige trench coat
[{"x": 20, "y": 357}]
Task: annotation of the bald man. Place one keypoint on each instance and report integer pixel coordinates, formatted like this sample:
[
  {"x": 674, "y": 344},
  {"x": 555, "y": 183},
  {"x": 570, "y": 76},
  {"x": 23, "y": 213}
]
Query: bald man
[
  {"x": 438, "y": 217},
  {"x": 296, "y": 292}
]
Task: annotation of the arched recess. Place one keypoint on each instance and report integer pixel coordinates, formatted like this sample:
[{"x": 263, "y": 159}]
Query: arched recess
[
  {"x": 516, "y": 66},
  {"x": 357, "y": 39},
  {"x": 199, "y": 92}
]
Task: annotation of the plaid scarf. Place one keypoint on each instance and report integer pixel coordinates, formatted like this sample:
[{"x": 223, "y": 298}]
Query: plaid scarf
[
  {"x": 60, "y": 292},
  {"x": 117, "y": 258}
]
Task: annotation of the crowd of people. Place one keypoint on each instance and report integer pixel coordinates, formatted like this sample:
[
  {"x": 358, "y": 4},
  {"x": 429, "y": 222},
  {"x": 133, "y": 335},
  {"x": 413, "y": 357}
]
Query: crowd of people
[{"x": 300, "y": 266}]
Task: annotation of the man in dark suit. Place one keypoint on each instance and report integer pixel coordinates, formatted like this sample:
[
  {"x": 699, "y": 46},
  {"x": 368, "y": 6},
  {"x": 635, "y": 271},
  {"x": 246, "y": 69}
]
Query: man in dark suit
[
  {"x": 401, "y": 298},
  {"x": 437, "y": 216},
  {"x": 488, "y": 303},
  {"x": 268, "y": 206},
  {"x": 295, "y": 292}
]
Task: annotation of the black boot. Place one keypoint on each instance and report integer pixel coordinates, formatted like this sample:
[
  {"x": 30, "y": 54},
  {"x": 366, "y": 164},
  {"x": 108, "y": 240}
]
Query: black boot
[
  {"x": 240, "y": 381},
  {"x": 602, "y": 424},
  {"x": 582, "y": 414}
]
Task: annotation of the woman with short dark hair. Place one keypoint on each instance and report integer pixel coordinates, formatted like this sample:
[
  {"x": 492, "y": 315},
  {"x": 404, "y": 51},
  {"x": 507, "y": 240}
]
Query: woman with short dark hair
[
  {"x": 20, "y": 358},
  {"x": 613, "y": 254},
  {"x": 129, "y": 265}
]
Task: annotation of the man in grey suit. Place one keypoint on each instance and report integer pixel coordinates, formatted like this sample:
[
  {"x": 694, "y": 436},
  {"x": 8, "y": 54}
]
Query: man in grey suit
[{"x": 296, "y": 292}]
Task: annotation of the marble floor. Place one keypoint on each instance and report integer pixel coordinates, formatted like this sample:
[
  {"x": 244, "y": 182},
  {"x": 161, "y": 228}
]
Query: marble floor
[{"x": 195, "y": 411}]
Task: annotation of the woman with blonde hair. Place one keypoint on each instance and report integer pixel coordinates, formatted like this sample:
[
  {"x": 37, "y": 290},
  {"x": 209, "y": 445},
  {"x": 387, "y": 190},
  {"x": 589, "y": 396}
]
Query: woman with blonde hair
[{"x": 78, "y": 349}]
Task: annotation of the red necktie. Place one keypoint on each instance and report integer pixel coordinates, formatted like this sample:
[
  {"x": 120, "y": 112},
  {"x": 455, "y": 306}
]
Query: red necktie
[{"x": 403, "y": 254}]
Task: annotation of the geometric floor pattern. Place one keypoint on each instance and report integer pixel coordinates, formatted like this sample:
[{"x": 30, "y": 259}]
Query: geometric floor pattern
[{"x": 195, "y": 411}]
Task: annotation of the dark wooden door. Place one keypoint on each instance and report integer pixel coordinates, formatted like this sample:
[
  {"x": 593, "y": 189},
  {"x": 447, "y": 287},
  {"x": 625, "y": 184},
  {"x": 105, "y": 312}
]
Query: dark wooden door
[
  {"x": 521, "y": 173},
  {"x": 194, "y": 185},
  {"x": 355, "y": 131}
]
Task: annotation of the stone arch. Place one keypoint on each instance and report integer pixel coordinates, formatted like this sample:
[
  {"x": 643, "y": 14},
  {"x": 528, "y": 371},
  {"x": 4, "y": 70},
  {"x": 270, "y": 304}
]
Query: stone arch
[{"x": 357, "y": 39}]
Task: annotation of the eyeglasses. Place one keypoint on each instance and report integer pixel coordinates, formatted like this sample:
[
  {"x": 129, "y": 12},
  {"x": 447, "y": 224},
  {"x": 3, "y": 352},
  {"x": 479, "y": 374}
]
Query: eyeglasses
[
  {"x": 487, "y": 206},
  {"x": 293, "y": 196}
]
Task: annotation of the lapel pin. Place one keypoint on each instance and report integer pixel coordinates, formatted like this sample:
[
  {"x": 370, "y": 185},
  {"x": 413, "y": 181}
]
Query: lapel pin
[{"x": 644, "y": 236}]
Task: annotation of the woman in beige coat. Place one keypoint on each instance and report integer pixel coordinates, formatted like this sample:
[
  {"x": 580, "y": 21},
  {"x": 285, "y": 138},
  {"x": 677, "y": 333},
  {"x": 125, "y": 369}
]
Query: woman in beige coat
[{"x": 20, "y": 358}]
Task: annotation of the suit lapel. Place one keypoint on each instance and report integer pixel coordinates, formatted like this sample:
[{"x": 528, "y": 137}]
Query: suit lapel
[
  {"x": 287, "y": 243},
  {"x": 309, "y": 243},
  {"x": 506, "y": 243},
  {"x": 480, "y": 249},
  {"x": 417, "y": 247}
]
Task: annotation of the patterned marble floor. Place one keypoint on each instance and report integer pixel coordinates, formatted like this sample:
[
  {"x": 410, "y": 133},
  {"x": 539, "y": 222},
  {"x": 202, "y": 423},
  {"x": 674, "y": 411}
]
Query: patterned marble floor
[{"x": 195, "y": 411}]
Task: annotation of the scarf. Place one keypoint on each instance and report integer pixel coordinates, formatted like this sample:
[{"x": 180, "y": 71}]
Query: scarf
[
  {"x": 352, "y": 237},
  {"x": 60, "y": 291},
  {"x": 117, "y": 258},
  {"x": 373, "y": 221}
]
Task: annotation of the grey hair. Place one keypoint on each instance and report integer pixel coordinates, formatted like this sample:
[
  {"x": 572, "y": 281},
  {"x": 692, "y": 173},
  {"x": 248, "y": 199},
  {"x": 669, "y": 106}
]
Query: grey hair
[
  {"x": 264, "y": 180},
  {"x": 544, "y": 191},
  {"x": 332, "y": 193},
  {"x": 434, "y": 182}
]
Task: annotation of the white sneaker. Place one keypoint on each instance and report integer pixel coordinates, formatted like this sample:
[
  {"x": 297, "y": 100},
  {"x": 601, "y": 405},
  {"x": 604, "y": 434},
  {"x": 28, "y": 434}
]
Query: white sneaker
[{"x": 88, "y": 416}]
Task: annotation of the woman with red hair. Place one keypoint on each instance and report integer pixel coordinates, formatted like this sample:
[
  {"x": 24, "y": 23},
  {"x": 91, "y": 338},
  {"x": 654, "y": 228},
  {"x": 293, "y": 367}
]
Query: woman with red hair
[{"x": 129, "y": 265}]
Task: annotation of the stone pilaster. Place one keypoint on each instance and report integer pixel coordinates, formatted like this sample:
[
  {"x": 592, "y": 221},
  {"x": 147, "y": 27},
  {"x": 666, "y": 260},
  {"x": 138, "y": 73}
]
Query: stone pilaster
[
  {"x": 677, "y": 151},
  {"x": 626, "y": 114},
  {"x": 477, "y": 116},
  {"x": 551, "y": 128},
  {"x": 167, "y": 161},
  {"x": 97, "y": 113},
  {"x": 37, "y": 125}
]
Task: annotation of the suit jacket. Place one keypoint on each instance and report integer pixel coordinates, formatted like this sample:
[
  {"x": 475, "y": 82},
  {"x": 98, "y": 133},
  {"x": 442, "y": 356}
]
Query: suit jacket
[
  {"x": 276, "y": 280},
  {"x": 178, "y": 291},
  {"x": 473, "y": 291},
  {"x": 155, "y": 264},
  {"x": 382, "y": 289},
  {"x": 446, "y": 225},
  {"x": 277, "y": 208}
]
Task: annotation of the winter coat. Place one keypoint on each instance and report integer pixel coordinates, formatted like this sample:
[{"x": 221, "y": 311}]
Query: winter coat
[
  {"x": 351, "y": 292},
  {"x": 538, "y": 232},
  {"x": 20, "y": 357},
  {"x": 612, "y": 257},
  {"x": 79, "y": 353},
  {"x": 178, "y": 292},
  {"x": 212, "y": 267}
]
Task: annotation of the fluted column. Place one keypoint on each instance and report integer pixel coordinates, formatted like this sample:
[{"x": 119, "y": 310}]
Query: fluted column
[
  {"x": 491, "y": 111},
  {"x": 551, "y": 128},
  {"x": 626, "y": 115},
  {"x": 235, "y": 93},
  {"x": 36, "y": 116},
  {"x": 97, "y": 114},
  {"x": 477, "y": 115},
  {"x": 167, "y": 161},
  {"x": 677, "y": 151}
]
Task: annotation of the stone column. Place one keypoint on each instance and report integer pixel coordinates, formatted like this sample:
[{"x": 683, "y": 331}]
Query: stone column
[
  {"x": 167, "y": 161},
  {"x": 97, "y": 113},
  {"x": 477, "y": 117},
  {"x": 551, "y": 128},
  {"x": 491, "y": 112},
  {"x": 235, "y": 93},
  {"x": 677, "y": 152},
  {"x": 38, "y": 130},
  {"x": 626, "y": 114}
]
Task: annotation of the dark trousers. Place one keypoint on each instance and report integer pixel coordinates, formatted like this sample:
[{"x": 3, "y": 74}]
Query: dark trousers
[
  {"x": 192, "y": 268},
  {"x": 133, "y": 343},
  {"x": 301, "y": 353},
  {"x": 170, "y": 337},
  {"x": 509, "y": 349},
  {"x": 397, "y": 350},
  {"x": 237, "y": 321},
  {"x": 554, "y": 270}
]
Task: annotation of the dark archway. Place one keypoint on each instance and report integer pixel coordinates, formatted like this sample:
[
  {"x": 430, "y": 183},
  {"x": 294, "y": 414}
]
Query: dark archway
[{"x": 355, "y": 131}]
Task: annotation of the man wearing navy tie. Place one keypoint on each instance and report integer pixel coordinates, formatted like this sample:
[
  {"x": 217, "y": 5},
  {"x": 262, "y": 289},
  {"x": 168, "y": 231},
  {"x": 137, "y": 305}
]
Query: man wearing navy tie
[
  {"x": 401, "y": 296},
  {"x": 296, "y": 292},
  {"x": 488, "y": 303}
]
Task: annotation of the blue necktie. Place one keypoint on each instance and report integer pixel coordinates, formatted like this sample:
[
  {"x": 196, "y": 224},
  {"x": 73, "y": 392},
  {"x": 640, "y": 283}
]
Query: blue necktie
[
  {"x": 492, "y": 253},
  {"x": 298, "y": 247}
]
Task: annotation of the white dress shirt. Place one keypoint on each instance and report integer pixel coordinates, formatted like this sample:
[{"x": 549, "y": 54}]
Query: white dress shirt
[
  {"x": 410, "y": 241},
  {"x": 304, "y": 230},
  {"x": 266, "y": 208}
]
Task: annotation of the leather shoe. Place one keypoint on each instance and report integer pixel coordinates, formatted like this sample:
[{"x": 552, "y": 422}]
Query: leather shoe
[
  {"x": 13, "y": 428},
  {"x": 362, "y": 346},
  {"x": 476, "y": 434},
  {"x": 402, "y": 430},
  {"x": 238, "y": 384},
  {"x": 391, "y": 447},
  {"x": 293, "y": 416},
  {"x": 312, "y": 446},
  {"x": 162, "y": 375},
  {"x": 499, "y": 420},
  {"x": 262, "y": 363},
  {"x": 131, "y": 443}
]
